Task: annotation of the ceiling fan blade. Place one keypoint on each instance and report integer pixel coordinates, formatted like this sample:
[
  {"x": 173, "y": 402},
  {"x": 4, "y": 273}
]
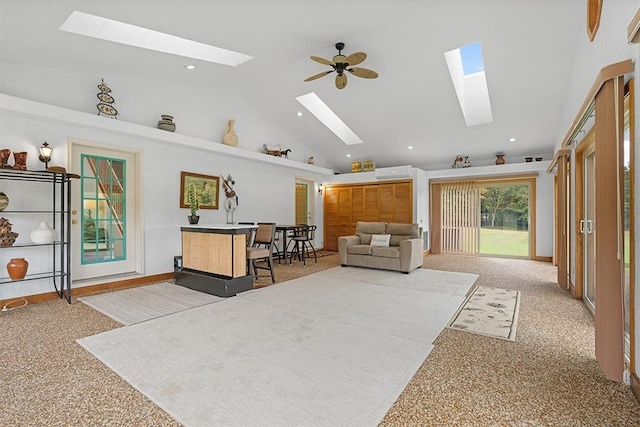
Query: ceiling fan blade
[
  {"x": 356, "y": 58},
  {"x": 322, "y": 60},
  {"x": 317, "y": 76},
  {"x": 363, "y": 72},
  {"x": 341, "y": 81}
]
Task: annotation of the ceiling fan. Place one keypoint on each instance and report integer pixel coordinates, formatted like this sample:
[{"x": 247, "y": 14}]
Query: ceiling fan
[{"x": 341, "y": 63}]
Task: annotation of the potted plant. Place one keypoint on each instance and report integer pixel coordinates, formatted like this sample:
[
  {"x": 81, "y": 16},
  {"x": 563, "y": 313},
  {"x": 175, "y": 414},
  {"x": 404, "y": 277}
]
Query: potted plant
[{"x": 194, "y": 203}]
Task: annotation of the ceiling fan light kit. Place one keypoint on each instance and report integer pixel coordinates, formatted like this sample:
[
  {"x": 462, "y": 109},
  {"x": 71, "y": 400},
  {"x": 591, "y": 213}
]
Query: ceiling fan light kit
[{"x": 341, "y": 63}]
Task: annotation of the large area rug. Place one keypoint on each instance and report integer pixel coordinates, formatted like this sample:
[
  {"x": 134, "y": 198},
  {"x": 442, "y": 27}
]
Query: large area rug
[
  {"x": 489, "y": 311},
  {"x": 333, "y": 348},
  {"x": 135, "y": 305}
]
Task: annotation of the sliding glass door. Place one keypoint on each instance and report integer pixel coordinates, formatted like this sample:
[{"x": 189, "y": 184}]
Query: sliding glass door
[{"x": 504, "y": 227}]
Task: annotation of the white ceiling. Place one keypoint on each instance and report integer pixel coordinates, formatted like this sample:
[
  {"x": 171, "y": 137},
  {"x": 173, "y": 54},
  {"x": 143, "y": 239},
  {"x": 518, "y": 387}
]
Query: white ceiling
[{"x": 527, "y": 45}]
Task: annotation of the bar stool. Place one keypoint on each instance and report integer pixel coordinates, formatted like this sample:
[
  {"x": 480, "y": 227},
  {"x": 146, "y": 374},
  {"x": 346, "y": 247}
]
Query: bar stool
[{"x": 303, "y": 241}]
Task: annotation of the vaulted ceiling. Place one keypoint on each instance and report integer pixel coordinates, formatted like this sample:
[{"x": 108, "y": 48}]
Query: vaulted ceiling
[{"x": 528, "y": 47}]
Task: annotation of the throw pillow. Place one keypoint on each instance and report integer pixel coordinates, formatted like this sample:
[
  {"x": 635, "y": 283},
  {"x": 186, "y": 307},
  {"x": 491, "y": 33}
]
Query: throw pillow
[{"x": 380, "y": 240}]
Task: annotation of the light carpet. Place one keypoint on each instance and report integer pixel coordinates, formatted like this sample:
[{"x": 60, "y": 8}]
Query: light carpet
[
  {"x": 489, "y": 311},
  {"x": 333, "y": 348},
  {"x": 142, "y": 303}
]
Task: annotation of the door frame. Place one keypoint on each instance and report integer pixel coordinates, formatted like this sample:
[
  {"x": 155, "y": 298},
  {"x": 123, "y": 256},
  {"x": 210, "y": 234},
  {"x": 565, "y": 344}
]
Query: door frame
[{"x": 138, "y": 252}]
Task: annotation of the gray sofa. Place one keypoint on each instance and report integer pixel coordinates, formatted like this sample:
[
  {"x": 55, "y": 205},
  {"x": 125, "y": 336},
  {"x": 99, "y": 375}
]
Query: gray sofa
[{"x": 404, "y": 252}]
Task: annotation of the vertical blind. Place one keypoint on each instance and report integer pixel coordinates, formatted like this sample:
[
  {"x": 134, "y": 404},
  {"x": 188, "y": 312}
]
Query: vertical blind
[{"x": 460, "y": 217}]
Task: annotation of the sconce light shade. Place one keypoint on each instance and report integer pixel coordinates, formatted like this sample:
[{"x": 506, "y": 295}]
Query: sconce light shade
[{"x": 45, "y": 154}]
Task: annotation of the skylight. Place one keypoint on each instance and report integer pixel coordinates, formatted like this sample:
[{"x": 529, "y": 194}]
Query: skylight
[
  {"x": 119, "y": 32},
  {"x": 318, "y": 108},
  {"x": 466, "y": 67}
]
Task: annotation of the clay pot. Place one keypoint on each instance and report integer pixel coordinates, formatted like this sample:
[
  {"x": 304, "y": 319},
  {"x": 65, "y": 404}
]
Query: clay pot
[
  {"x": 500, "y": 159},
  {"x": 17, "y": 268}
]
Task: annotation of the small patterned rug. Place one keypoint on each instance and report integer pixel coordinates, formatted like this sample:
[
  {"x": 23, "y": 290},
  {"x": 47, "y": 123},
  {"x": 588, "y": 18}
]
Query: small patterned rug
[{"x": 489, "y": 311}]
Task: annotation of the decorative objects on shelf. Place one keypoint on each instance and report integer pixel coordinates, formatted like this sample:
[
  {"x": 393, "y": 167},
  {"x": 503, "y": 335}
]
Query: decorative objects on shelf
[
  {"x": 20, "y": 159},
  {"x": 4, "y": 158},
  {"x": 368, "y": 165},
  {"x": 538, "y": 159},
  {"x": 277, "y": 151},
  {"x": 207, "y": 188},
  {"x": 43, "y": 234},
  {"x": 45, "y": 154},
  {"x": 104, "y": 106},
  {"x": 194, "y": 203},
  {"x": 528, "y": 159},
  {"x": 500, "y": 159},
  {"x": 310, "y": 160},
  {"x": 4, "y": 201},
  {"x": 356, "y": 166},
  {"x": 461, "y": 162},
  {"x": 166, "y": 123},
  {"x": 7, "y": 237},
  {"x": 230, "y": 137},
  {"x": 17, "y": 268}
]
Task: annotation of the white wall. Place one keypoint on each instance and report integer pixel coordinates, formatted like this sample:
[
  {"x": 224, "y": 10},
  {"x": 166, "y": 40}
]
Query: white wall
[{"x": 265, "y": 189}]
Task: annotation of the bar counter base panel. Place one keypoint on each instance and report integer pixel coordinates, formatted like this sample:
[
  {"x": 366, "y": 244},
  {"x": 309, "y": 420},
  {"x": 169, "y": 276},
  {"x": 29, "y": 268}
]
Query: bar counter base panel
[{"x": 217, "y": 286}]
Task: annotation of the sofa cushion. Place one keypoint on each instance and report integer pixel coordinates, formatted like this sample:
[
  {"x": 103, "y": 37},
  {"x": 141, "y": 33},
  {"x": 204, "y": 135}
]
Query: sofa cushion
[
  {"x": 366, "y": 229},
  {"x": 401, "y": 232},
  {"x": 390, "y": 252},
  {"x": 359, "y": 249},
  {"x": 380, "y": 240}
]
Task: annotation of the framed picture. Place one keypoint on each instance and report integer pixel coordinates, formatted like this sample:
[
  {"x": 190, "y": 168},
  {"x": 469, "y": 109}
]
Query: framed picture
[{"x": 207, "y": 189}]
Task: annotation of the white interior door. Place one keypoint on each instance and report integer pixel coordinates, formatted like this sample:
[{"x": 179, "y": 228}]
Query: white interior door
[{"x": 103, "y": 212}]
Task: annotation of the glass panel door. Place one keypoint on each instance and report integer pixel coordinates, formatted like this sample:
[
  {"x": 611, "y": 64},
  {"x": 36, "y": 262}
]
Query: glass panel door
[
  {"x": 301, "y": 203},
  {"x": 504, "y": 227},
  {"x": 587, "y": 227}
]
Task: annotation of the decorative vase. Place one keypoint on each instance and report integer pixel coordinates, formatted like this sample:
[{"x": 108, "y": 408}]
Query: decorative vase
[
  {"x": 230, "y": 137},
  {"x": 500, "y": 159},
  {"x": 43, "y": 234},
  {"x": 17, "y": 268},
  {"x": 167, "y": 123},
  {"x": 4, "y": 201},
  {"x": 193, "y": 219}
]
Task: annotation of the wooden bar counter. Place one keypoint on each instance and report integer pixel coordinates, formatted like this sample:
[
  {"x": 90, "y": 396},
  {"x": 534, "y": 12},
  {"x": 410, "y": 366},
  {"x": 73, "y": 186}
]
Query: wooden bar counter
[{"x": 214, "y": 259}]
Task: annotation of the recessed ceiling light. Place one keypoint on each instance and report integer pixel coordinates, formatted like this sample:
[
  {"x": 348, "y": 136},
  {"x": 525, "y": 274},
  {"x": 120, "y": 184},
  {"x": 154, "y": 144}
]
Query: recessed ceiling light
[
  {"x": 512, "y": 140},
  {"x": 410, "y": 147},
  {"x": 348, "y": 155},
  {"x": 190, "y": 67},
  {"x": 314, "y": 104},
  {"x": 132, "y": 35},
  {"x": 299, "y": 113}
]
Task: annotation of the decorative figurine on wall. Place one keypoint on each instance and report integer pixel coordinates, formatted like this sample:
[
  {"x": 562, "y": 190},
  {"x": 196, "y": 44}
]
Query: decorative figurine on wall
[
  {"x": 231, "y": 203},
  {"x": 104, "y": 106}
]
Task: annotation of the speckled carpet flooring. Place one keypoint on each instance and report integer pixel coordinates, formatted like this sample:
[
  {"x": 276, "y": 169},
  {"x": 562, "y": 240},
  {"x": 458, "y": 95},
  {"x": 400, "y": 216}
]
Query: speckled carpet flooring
[{"x": 548, "y": 377}]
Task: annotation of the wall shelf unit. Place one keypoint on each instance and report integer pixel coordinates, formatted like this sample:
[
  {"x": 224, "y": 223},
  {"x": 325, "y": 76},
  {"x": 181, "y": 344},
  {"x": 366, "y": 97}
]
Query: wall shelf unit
[{"x": 57, "y": 209}]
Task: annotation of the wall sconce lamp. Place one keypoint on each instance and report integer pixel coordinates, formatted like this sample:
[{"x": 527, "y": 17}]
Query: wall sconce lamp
[
  {"x": 320, "y": 188},
  {"x": 45, "y": 154}
]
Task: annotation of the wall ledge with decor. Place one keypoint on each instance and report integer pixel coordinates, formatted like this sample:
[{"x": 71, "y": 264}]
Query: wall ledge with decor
[{"x": 55, "y": 114}]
